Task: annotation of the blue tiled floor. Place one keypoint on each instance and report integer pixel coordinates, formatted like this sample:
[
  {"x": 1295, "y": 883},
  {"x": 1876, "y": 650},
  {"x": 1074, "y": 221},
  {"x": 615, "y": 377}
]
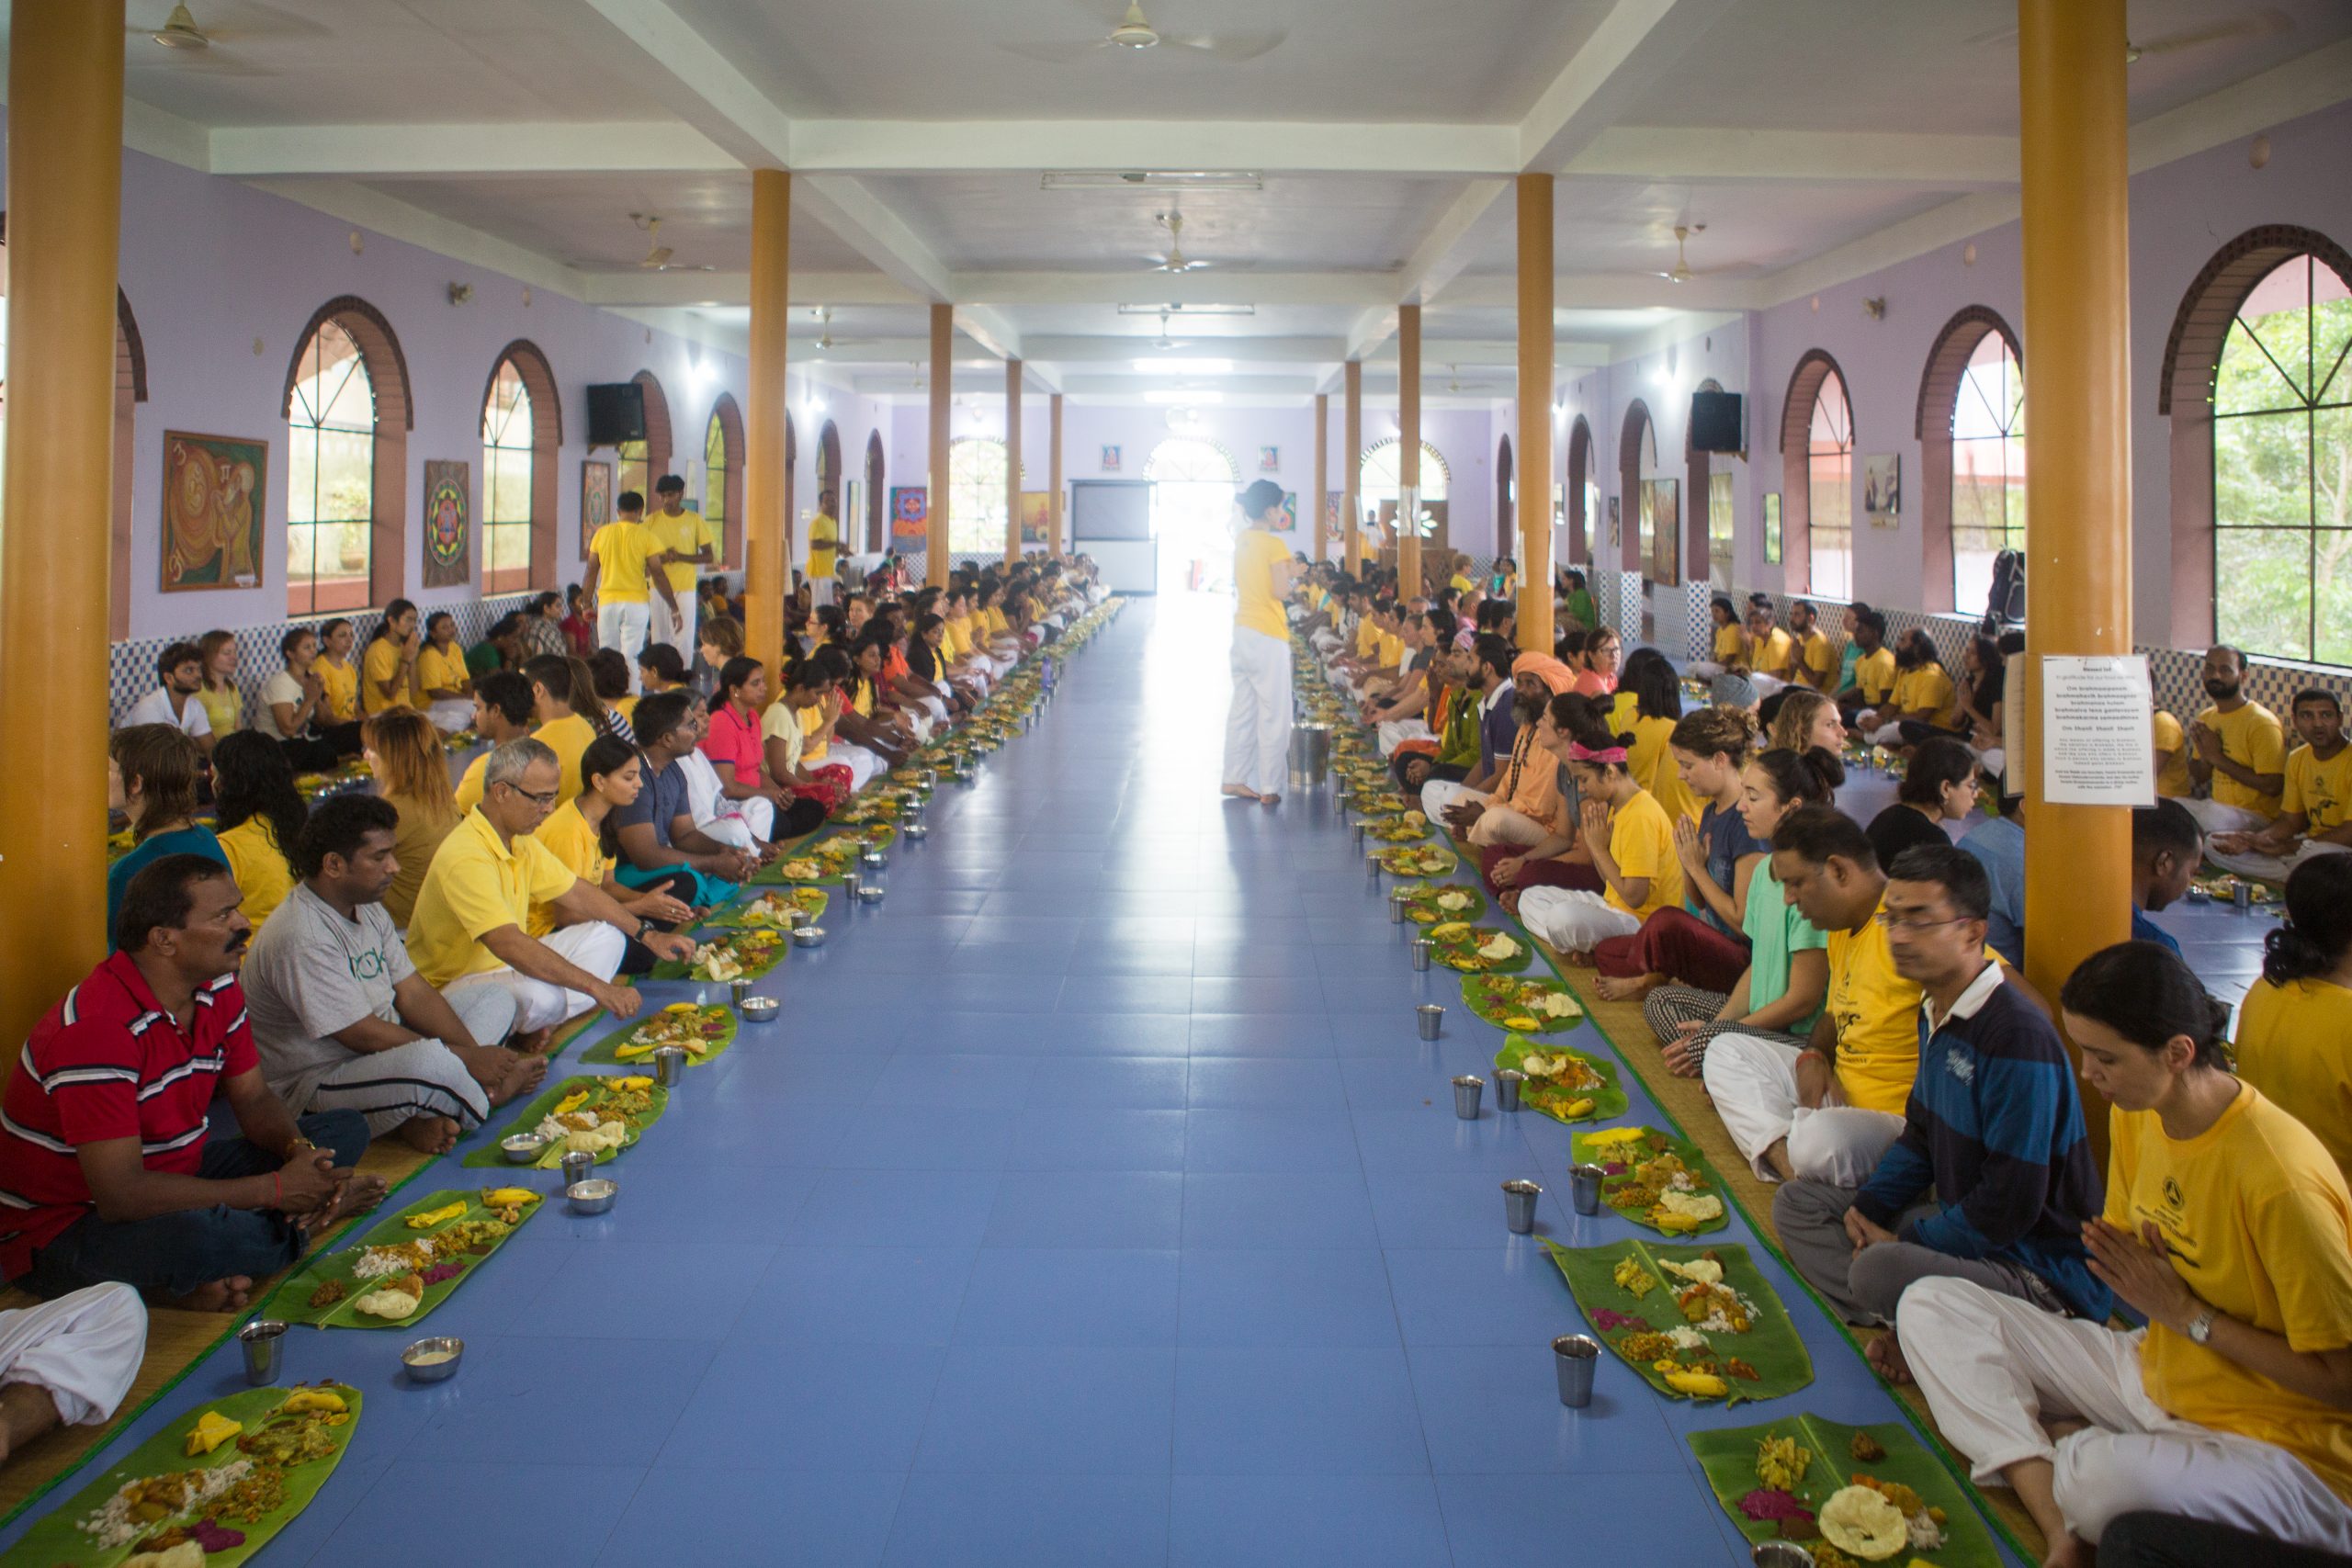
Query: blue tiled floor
[{"x": 1096, "y": 1204}]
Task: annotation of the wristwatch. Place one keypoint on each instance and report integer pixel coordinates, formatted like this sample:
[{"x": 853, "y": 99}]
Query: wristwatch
[{"x": 2201, "y": 1327}]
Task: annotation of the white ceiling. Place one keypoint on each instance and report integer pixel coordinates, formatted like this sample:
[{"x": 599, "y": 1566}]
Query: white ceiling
[{"x": 521, "y": 134}]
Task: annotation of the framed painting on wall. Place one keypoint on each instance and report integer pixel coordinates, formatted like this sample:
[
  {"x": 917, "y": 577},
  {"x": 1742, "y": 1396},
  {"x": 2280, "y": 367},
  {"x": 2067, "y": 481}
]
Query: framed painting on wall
[
  {"x": 1036, "y": 517},
  {"x": 1270, "y": 459},
  {"x": 1110, "y": 464},
  {"x": 1287, "y": 521},
  {"x": 1771, "y": 527},
  {"x": 448, "y": 493},
  {"x": 1616, "y": 528},
  {"x": 910, "y": 514},
  {"x": 595, "y": 500},
  {"x": 1883, "y": 490},
  {"x": 213, "y": 490}
]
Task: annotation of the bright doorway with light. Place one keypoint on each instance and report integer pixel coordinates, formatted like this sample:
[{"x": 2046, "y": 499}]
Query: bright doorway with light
[{"x": 1192, "y": 482}]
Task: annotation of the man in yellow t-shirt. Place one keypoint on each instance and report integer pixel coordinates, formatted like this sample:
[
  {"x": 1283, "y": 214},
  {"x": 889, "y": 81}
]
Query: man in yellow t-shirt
[
  {"x": 621, "y": 561},
  {"x": 1923, "y": 692},
  {"x": 2314, "y": 806},
  {"x": 1812, "y": 660},
  {"x": 2171, "y": 744},
  {"x": 1826, "y": 1111},
  {"x": 689, "y": 540},
  {"x": 470, "y": 926},
  {"x": 1769, "y": 648},
  {"x": 1874, "y": 680},
  {"x": 2237, "y": 747},
  {"x": 824, "y": 548},
  {"x": 1257, "y": 723}
]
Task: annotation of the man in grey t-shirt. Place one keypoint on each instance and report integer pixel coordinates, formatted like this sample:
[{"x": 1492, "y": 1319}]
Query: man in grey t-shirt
[{"x": 343, "y": 1019}]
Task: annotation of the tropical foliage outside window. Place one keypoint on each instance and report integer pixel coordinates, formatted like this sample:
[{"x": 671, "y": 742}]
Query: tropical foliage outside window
[
  {"x": 976, "y": 494},
  {"x": 330, "y": 477},
  {"x": 1719, "y": 529},
  {"x": 506, "y": 483},
  {"x": 715, "y": 465},
  {"x": 634, "y": 474},
  {"x": 1988, "y": 469},
  {"x": 1829, "y": 455},
  {"x": 2282, "y": 468},
  {"x": 1377, "y": 480}
]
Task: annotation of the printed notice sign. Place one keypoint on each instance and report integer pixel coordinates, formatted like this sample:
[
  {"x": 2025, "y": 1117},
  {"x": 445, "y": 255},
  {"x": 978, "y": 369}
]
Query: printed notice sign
[{"x": 2095, "y": 748}]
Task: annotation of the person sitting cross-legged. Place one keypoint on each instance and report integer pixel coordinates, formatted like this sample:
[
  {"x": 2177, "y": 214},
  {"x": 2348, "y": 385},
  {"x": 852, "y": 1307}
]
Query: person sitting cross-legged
[
  {"x": 2228, "y": 1230},
  {"x": 1993, "y": 1130},
  {"x": 662, "y": 845},
  {"x": 1828, "y": 1111},
  {"x": 472, "y": 913},
  {"x": 111, "y": 1169},
  {"x": 2314, "y": 804},
  {"x": 68, "y": 1363},
  {"x": 343, "y": 1019}
]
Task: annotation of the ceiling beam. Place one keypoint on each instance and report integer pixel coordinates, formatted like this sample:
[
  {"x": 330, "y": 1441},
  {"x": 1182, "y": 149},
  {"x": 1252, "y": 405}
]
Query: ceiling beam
[
  {"x": 1617, "y": 68},
  {"x": 866, "y": 226},
  {"x": 1706, "y": 153},
  {"x": 1441, "y": 254},
  {"x": 390, "y": 151},
  {"x": 1027, "y": 147},
  {"x": 1233, "y": 286},
  {"x": 1610, "y": 291},
  {"x": 691, "y": 77},
  {"x": 616, "y": 291}
]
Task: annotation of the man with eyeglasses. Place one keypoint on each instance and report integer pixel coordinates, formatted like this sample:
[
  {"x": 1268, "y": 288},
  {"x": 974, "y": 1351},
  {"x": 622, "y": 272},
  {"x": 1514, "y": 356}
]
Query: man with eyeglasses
[
  {"x": 474, "y": 912},
  {"x": 1993, "y": 1177},
  {"x": 1829, "y": 1111}
]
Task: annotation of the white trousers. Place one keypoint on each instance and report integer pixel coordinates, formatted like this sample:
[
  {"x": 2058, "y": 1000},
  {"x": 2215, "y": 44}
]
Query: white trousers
[
  {"x": 1766, "y": 685},
  {"x": 1257, "y": 723},
  {"x": 1502, "y": 825},
  {"x": 625, "y": 626},
  {"x": 1439, "y": 793},
  {"x": 2216, "y": 818},
  {"x": 1993, "y": 1367},
  {"x": 1703, "y": 668},
  {"x": 593, "y": 946},
  {"x": 741, "y": 824},
  {"x": 423, "y": 1077},
  {"x": 1753, "y": 1082},
  {"x": 1572, "y": 920},
  {"x": 450, "y": 714},
  {"x": 1324, "y": 638},
  {"x": 677, "y": 630},
  {"x": 1394, "y": 732},
  {"x": 83, "y": 1349},
  {"x": 862, "y": 763},
  {"x": 2272, "y": 868},
  {"x": 821, "y": 590}
]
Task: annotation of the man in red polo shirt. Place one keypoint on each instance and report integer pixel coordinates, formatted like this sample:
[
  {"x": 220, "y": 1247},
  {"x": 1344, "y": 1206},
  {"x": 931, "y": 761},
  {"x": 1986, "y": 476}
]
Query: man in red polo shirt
[{"x": 105, "y": 1170}]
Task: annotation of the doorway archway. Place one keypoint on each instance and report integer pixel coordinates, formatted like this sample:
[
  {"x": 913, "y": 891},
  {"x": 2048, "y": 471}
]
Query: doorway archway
[{"x": 1192, "y": 481}]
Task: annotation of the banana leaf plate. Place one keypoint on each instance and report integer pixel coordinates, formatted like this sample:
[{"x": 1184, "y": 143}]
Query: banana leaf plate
[
  {"x": 331, "y": 1275},
  {"x": 767, "y": 909},
  {"x": 1630, "y": 1153},
  {"x": 1463, "y": 949},
  {"x": 599, "y": 1090},
  {"x": 1573, "y": 1085},
  {"x": 1411, "y": 827},
  {"x": 751, "y": 950},
  {"x": 59, "y": 1538},
  {"x": 1522, "y": 1005},
  {"x": 702, "y": 1031},
  {"x": 1433, "y": 903},
  {"x": 1627, "y": 1294},
  {"x": 1728, "y": 1455},
  {"x": 1418, "y": 860}
]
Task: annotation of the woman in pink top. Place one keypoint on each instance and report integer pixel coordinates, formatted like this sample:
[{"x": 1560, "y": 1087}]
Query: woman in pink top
[
  {"x": 1599, "y": 676},
  {"x": 739, "y": 756}
]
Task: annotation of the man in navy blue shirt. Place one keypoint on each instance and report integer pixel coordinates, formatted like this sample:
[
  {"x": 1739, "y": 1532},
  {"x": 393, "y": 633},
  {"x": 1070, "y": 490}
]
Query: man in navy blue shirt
[
  {"x": 1498, "y": 728},
  {"x": 2167, "y": 846},
  {"x": 1992, "y": 1178}
]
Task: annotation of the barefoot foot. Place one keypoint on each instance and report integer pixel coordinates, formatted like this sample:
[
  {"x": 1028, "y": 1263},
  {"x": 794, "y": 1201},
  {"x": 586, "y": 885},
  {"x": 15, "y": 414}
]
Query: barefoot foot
[
  {"x": 1886, "y": 1355},
  {"x": 428, "y": 1135},
  {"x": 534, "y": 1043},
  {"x": 1240, "y": 792},
  {"x": 1624, "y": 989},
  {"x": 222, "y": 1295}
]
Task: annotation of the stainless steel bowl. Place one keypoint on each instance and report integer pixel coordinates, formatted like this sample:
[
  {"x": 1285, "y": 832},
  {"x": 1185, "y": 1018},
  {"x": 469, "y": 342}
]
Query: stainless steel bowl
[
  {"x": 761, "y": 1009},
  {"x": 809, "y": 936},
  {"x": 916, "y": 831},
  {"x": 522, "y": 1148},
  {"x": 433, "y": 1370},
  {"x": 872, "y": 893},
  {"x": 592, "y": 1196}
]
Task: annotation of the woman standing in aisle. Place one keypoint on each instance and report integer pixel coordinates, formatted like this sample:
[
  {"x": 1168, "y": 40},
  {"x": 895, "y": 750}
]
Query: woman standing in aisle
[{"x": 1257, "y": 724}]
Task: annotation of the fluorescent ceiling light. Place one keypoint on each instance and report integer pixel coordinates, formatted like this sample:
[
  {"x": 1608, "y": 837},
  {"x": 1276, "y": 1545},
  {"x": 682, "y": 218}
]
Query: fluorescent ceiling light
[
  {"x": 1173, "y": 309},
  {"x": 1184, "y": 366},
  {"x": 1151, "y": 179},
  {"x": 1178, "y": 398}
]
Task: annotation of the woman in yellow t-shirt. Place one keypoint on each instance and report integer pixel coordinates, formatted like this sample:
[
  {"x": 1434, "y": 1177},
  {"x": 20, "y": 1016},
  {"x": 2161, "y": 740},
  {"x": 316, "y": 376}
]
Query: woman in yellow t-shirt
[
  {"x": 1630, "y": 838},
  {"x": 441, "y": 676},
  {"x": 261, "y": 816},
  {"x": 2295, "y": 1026},
  {"x": 387, "y": 670},
  {"x": 1729, "y": 647},
  {"x": 338, "y": 686},
  {"x": 216, "y": 683},
  {"x": 580, "y": 833},
  {"x": 2228, "y": 1228},
  {"x": 411, "y": 772},
  {"x": 1647, "y": 705}
]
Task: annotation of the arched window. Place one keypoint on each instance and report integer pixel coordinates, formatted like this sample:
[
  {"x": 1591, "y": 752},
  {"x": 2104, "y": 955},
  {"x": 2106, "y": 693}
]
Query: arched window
[
  {"x": 331, "y": 476},
  {"x": 1829, "y": 489},
  {"x": 723, "y": 459},
  {"x": 1584, "y": 496},
  {"x": 1971, "y": 425},
  {"x": 1650, "y": 548},
  {"x": 1380, "y": 482},
  {"x": 507, "y": 452},
  {"x": 643, "y": 462},
  {"x": 976, "y": 494},
  {"x": 2283, "y": 468},
  {"x": 1506, "y": 499},
  {"x": 877, "y": 536}
]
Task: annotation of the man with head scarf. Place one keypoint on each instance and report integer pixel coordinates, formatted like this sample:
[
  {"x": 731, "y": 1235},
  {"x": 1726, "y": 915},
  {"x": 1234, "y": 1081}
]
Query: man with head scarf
[{"x": 1525, "y": 805}]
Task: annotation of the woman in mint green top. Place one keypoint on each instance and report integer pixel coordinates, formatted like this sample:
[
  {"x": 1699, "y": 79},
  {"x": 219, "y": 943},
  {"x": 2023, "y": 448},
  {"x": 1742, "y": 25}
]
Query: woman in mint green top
[
  {"x": 1788, "y": 962},
  {"x": 151, "y": 778}
]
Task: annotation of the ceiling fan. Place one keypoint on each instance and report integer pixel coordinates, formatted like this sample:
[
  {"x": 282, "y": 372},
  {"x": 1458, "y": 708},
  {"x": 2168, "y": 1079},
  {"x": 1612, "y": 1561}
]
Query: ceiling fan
[
  {"x": 825, "y": 341},
  {"x": 1175, "y": 261},
  {"x": 1131, "y": 30},
  {"x": 1453, "y": 386},
  {"x": 196, "y": 47},
  {"x": 657, "y": 254},
  {"x": 2268, "y": 22},
  {"x": 1681, "y": 272}
]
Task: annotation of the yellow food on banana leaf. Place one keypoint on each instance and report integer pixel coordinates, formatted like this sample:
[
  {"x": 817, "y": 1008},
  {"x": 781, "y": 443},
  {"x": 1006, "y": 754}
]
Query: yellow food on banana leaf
[
  {"x": 312, "y": 1399},
  {"x": 210, "y": 1432},
  {"x": 507, "y": 1197},
  {"x": 432, "y": 1217},
  {"x": 1701, "y": 1385}
]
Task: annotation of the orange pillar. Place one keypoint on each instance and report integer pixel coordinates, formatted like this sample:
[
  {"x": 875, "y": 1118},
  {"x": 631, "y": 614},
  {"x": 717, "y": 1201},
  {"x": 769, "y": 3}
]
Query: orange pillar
[
  {"x": 942, "y": 390},
  {"x": 1054, "y": 476},
  {"x": 1532, "y": 459},
  {"x": 64, "y": 216},
  {"x": 767, "y": 575},
  {"x": 1012, "y": 461},
  {"x": 1408, "y": 452},
  {"x": 2078, "y": 489},
  {"x": 1322, "y": 474},
  {"x": 1351, "y": 481}
]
